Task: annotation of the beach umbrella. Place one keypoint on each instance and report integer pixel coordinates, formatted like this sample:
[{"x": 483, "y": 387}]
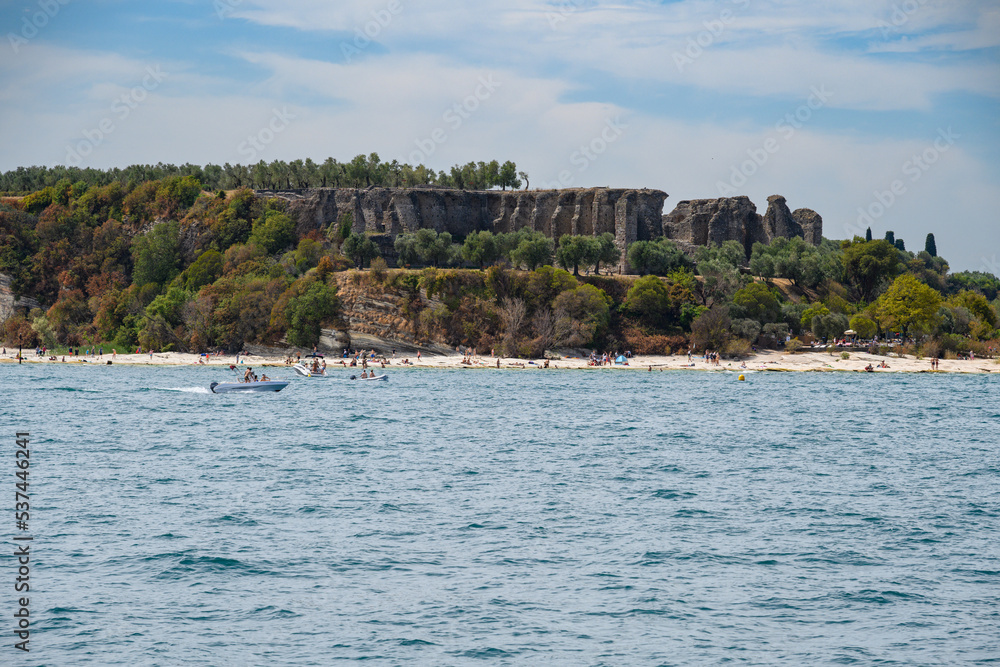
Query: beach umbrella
[{"x": 850, "y": 332}]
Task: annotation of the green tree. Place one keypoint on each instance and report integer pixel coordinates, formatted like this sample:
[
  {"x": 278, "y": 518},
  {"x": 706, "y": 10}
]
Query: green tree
[
  {"x": 868, "y": 264},
  {"x": 573, "y": 251},
  {"x": 203, "y": 271},
  {"x": 481, "y": 249},
  {"x": 863, "y": 325},
  {"x": 307, "y": 312},
  {"x": 656, "y": 302},
  {"x": 156, "y": 254},
  {"x": 812, "y": 311},
  {"x": 607, "y": 251},
  {"x": 307, "y": 255},
  {"x": 532, "y": 251},
  {"x": 235, "y": 222},
  {"x": 829, "y": 326},
  {"x": 582, "y": 315},
  {"x": 169, "y": 304},
  {"x": 985, "y": 283},
  {"x": 46, "y": 333},
  {"x": 434, "y": 248},
  {"x": 274, "y": 231},
  {"x": 547, "y": 282},
  {"x": 360, "y": 249},
  {"x": 868, "y": 234},
  {"x": 406, "y": 250},
  {"x": 758, "y": 302},
  {"x": 978, "y": 305},
  {"x": 930, "y": 247},
  {"x": 508, "y": 176},
  {"x": 908, "y": 304},
  {"x": 660, "y": 257},
  {"x": 801, "y": 262}
]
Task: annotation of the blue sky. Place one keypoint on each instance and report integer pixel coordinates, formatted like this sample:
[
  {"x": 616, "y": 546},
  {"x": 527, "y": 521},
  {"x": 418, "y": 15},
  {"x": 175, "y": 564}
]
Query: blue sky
[{"x": 871, "y": 112}]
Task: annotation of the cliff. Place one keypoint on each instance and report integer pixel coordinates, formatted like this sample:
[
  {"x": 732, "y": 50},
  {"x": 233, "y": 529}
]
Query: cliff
[
  {"x": 703, "y": 221},
  {"x": 10, "y": 303},
  {"x": 631, "y": 215}
]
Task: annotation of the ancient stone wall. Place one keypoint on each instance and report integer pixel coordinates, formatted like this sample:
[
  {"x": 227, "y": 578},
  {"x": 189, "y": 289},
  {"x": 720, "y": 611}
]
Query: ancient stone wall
[
  {"x": 703, "y": 221},
  {"x": 630, "y": 215}
]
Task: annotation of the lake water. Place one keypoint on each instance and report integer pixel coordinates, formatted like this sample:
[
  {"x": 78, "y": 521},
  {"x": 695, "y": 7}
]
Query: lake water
[{"x": 502, "y": 517}]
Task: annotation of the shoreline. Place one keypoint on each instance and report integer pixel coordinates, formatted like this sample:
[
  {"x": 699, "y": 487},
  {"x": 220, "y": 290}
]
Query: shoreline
[{"x": 762, "y": 361}]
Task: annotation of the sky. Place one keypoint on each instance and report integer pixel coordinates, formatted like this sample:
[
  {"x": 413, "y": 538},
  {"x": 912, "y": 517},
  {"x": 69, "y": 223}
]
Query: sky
[{"x": 873, "y": 113}]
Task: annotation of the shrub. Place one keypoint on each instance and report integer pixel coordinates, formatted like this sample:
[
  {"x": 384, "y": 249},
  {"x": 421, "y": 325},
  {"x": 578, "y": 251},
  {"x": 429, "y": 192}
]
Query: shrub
[
  {"x": 711, "y": 330},
  {"x": 845, "y": 355},
  {"x": 931, "y": 348},
  {"x": 774, "y": 335},
  {"x": 639, "y": 342},
  {"x": 747, "y": 329},
  {"x": 582, "y": 315},
  {"x": 379, "y": 270},
  {"x": 793, "y": 345},
  {"x": 737, "y": 348}
]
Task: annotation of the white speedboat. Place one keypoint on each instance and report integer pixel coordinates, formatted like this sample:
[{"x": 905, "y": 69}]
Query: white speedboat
[
  {"x": 307, "y": 371},
  {"x": 268, "y": 385},
  {"x": 383, "y": 378}
]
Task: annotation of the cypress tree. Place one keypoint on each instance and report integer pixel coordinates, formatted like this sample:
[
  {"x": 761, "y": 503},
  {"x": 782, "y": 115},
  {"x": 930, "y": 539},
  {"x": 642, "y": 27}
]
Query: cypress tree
[
  {"x": 868, "y": 234},
  {"x": 891, "y": 237},
  {"x": 930, "y": 246},
  {"x": 900, "y": 245}
]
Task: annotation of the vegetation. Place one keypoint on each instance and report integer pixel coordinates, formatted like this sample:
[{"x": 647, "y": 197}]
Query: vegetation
[
  {"x": 158, "y": 257},
  {"x": 45, "y": 185}
]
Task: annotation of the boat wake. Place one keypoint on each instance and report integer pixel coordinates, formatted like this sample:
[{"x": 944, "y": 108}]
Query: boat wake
[{"x": 188, "y": 390}]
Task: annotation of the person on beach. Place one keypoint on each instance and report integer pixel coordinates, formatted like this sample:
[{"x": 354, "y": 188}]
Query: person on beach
[{"x": 418, "y": 355}]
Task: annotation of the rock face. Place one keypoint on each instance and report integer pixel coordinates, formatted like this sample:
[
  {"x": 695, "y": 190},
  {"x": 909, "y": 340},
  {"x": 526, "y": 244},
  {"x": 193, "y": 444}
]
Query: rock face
[
  {"x": 702, "y": 221},
  {"x": 811, "y": 224},
  {"x": 631, "y": 215},
  {"x": 9, "y": 304}
]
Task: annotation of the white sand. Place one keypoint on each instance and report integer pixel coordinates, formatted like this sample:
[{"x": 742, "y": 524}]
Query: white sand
[{"x": 767, "y": 360}]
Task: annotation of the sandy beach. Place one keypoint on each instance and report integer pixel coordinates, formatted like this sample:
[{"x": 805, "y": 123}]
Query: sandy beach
[{"x": 763, "y": 361}]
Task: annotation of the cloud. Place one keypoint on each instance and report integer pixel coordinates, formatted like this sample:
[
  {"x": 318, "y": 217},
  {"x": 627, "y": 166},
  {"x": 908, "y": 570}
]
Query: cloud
[{"x": 586, "y": 91}]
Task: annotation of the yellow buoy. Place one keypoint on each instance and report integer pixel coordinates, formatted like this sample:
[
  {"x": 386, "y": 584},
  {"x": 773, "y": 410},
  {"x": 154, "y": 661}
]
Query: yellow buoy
[{"x": 742, "y": 378}]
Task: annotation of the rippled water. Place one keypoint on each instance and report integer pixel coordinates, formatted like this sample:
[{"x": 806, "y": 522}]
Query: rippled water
[{"x": 462, "y": 517}]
